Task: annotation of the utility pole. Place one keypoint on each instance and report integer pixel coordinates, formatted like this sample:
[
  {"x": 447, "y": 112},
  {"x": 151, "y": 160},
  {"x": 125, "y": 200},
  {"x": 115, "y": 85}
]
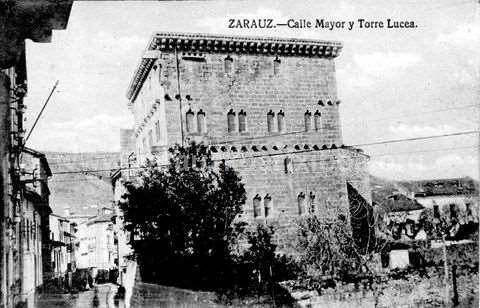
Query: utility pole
[
  {"x": 454, "y": 281},
  {"x": 40, "y": 113},
  {"x": 445, "y": 267},
  {"x": 179, "y": 95}
]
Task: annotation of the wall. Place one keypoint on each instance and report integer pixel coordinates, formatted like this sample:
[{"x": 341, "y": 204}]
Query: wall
[
  {"x": 32, "y": 249},
  {"x": 444, "y": 202},
  {"x": 414, "y": 291},
  {"x": 252, "y": 86},
  {"x": 4, "y": 181},
  {"x": 147, "y": 295},
  {"x": 322, "y": 173},
  {"x": 59, "y": 255},
  {"x": 257, "y": 83}
]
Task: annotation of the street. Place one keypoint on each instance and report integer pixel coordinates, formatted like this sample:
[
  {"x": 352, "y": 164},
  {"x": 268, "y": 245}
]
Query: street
[{"x": 101, "y": 296}]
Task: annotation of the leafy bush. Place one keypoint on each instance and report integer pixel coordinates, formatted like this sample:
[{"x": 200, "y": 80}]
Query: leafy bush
[{"x": 182, "y": 219}]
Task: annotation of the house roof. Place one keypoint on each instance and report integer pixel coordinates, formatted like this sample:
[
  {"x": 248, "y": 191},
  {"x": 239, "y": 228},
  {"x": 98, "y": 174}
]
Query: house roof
[
  {"x": 401, "y": 203},
  {"x": 196, "y": 42},
  {"x": 39, "y": 203},
  {"x": 439, "y": 187},
  {"x": 41, "y": 156},
  {"x": 101, "y": 218},
  {"x": 61, "y": 218}
]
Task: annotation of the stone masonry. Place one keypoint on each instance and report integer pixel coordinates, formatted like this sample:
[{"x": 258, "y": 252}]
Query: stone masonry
[{"x": 268, "y": 106}]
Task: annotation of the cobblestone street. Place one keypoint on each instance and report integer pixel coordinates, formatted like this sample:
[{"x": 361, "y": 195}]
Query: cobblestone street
[{"x": 101, "y": 296}]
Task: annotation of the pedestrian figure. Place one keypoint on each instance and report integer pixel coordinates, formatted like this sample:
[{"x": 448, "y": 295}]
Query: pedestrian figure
[{"x": 90, "y": 281}]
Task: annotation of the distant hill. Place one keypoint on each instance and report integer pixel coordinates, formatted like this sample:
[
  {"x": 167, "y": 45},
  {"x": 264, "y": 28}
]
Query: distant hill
[{"x": 83, "y": 191}]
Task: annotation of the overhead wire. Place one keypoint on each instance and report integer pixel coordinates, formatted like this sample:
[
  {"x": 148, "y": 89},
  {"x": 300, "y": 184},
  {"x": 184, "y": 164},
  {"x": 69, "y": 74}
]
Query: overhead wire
[{"x": 289, "y": 152}]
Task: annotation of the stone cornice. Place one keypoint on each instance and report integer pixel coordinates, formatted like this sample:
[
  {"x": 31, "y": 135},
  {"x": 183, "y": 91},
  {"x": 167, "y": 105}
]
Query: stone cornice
[
  {"x": 29, "y": 19},
  {"x": 260, "y": 149},
  {"x": 189, "y": 42}
]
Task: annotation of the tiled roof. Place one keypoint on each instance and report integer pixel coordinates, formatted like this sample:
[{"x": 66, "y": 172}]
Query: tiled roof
[{"x": 400, "y": 203}]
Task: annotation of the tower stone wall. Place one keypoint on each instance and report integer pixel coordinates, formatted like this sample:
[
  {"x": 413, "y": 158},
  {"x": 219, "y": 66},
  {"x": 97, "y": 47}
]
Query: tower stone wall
[{"x": 266, "y": 106}]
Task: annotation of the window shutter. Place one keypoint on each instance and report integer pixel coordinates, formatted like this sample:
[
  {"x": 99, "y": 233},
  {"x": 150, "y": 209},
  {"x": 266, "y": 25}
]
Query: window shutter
[
  {"x": 308, "y": 120},
  {"x": 231, "y": 121},
  {"x": 267, "y": 202},
  {"x": 270, "y": 117},
  {"x": 242, "y": 125},
  {"x": 301, "y": 203},
  {"x": 257, "y": 209},
  {"x": 276, "y": 66},
  {"x": 318, "y": 120},
  {"x": 189, "y": 120},
  {"x": 281, "y": 121},
  {"x": 201, "y": 127},
  {"x": 228, "y": 64}
]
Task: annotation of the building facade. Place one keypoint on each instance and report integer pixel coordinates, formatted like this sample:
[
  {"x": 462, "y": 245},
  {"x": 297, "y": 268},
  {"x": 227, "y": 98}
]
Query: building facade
[
  {"x": 98, "y": 245},
  {"x": 20, "y": 20},
  {"x": 453, "y": 196},
  {"x": 63, "y": 250},
  {"x": 34, "y": 225},
  {"x": 267, "y": 106}
]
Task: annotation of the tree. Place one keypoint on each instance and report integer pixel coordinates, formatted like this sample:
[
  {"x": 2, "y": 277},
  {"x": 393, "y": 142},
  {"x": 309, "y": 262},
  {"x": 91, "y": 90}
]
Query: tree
[
  {"x": 182, "y": 217},
  {"x": 331, "y": 248},
  {"x": 328, "y": 248}
]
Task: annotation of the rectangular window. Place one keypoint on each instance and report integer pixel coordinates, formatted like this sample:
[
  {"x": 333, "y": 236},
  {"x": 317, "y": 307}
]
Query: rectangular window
[{"x": 157, "y": 130}]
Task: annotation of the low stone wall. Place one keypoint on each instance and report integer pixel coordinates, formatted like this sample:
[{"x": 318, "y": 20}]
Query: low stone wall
[
  {"x": 413, "y": 291},
  {"x": 148, "y": 295},
  {"x": 459, "y": 254}
]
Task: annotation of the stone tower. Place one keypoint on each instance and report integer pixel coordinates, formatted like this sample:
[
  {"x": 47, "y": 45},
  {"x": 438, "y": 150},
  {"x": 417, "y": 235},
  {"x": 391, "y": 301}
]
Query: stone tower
[{"x": 268, "y": 106}]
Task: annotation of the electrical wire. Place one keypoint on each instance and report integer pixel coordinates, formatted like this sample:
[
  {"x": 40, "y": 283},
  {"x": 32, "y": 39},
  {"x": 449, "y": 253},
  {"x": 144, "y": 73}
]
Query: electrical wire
[{"x": 290, "y": 152}]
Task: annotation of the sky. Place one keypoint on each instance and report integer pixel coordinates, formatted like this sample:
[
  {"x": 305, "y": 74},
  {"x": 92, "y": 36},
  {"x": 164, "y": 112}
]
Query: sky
[{"x": 393, "y": 83}]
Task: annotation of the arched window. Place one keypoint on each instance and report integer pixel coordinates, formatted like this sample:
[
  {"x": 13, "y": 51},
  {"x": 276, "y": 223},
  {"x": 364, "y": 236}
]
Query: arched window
[
  {"x": 267, "y": 204},
  {"x": 257, "y": 208},
  {"x": 189, "y": 119},
  {"x": 201, "y": 127},
  {"x": 312, "y": 207},
  {"x": 270, "y": 118},
  {"x": 231, "y": 121},
  {"x": 276, "y": 66},
  {"x": 288, "y": 165},
  {"x": 301, "y": 203},
  {"x": 318, "y": 120},
  {"x": 242, "y": 121},
  {"x": 281, "y": 121},
  {"x": 308, "y": 120},
  {"x": 228, "y": 64}
]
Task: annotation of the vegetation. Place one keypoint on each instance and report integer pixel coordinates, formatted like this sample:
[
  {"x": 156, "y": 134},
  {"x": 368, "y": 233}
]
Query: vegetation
[
  {"x": 331, "y": 249},
  {"x": 182, "y": 219}
]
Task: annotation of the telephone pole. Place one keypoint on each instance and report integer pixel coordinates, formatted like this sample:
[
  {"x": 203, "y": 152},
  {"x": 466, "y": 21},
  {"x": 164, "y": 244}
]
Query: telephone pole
[
  {"x": 40, "y": 113},
  {"x": 179, "y": 95}
]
